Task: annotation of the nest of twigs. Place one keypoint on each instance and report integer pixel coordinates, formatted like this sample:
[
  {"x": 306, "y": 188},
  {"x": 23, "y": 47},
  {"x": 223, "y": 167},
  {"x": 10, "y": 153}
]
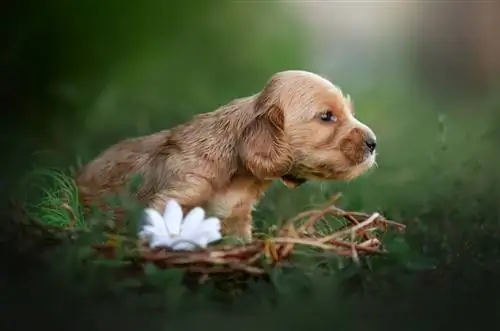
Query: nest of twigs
[{"x": 358, "y": 236}]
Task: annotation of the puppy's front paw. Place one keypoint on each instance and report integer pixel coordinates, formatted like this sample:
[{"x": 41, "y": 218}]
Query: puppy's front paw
[{"x": 238, "y": 229}]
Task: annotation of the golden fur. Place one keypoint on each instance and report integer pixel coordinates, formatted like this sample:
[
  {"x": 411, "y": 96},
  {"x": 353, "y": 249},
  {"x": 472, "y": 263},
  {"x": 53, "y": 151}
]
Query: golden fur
[{"x": 224, "y": 160}]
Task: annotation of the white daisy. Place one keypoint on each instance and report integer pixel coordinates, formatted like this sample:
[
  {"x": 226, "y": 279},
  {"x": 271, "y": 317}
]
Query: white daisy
[{"x": 174, "y": 231}]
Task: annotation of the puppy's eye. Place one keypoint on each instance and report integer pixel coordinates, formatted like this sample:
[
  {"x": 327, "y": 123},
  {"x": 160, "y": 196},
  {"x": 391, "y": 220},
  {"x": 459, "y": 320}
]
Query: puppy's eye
[{"x": 328, "y": 116}]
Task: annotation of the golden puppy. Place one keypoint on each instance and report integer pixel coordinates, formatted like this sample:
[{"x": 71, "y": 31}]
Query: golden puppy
[{"x": 299, "y": 127}]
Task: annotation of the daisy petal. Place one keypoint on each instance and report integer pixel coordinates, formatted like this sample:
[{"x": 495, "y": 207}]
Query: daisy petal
[
  {"x": 160, "y": 241},
  {"x": 212, "y": 236},
  {"x": 181, "y": 244},
  {"x": 196, "y": 242},
  {"x": 152, "y": 217},
  {"x": 192, "y": 221},
  {"x": 173, "y": 217},
  {"x": 202, "y": 241},
  {"x": 147, "y": 232},
  {"x": 211, "y": 224}
]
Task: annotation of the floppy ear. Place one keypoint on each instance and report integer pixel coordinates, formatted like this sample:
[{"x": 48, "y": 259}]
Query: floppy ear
[{"x": 263, "y": 148}]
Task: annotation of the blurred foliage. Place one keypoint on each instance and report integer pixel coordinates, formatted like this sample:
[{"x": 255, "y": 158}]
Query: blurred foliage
[{"x": 107, "y": 70}]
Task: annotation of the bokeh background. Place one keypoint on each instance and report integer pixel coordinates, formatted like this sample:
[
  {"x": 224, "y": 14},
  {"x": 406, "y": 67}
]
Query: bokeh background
[{"x": 77, "y": 76}]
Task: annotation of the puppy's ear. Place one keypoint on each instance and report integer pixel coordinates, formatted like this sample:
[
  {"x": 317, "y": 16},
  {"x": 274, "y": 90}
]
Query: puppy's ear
[{"x": 263, "y": 148}]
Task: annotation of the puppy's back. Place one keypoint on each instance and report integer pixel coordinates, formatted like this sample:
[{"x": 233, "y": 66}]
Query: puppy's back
[
  {"x": 204, "y": 147},
  {"x": 110, "y": 172}
]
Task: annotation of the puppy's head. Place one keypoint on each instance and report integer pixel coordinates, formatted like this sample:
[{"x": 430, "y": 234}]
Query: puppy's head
[{"x": 305, "y": 128}]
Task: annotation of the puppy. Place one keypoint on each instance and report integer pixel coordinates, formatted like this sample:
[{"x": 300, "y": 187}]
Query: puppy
[{"x": 299, "y": 127}]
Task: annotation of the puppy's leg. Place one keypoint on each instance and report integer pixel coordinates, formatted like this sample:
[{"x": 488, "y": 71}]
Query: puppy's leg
[
  {"x": 190, "y": 193},
  {"x": 239, "y": 223}
]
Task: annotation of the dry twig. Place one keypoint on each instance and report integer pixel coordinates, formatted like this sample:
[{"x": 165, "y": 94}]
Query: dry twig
[{"x": 355, "y": 239}]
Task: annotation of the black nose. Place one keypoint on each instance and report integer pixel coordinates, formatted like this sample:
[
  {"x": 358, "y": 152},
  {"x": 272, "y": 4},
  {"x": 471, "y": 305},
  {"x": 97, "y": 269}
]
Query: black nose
[{"x": 371, "y": 143}]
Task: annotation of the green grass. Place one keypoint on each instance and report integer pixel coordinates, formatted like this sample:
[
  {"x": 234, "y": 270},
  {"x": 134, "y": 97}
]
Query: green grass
[{"x": 56, "y": 203}]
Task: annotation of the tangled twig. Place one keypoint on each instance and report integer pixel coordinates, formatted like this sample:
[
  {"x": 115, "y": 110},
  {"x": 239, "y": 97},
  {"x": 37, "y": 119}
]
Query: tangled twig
[
  {"x": 357, "y": 237},
  {"x": 354, "y": 239}
]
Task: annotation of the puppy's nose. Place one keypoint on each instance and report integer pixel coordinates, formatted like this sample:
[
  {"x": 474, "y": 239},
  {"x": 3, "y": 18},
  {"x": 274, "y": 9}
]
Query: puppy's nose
[{"x": 371, "y": 143}]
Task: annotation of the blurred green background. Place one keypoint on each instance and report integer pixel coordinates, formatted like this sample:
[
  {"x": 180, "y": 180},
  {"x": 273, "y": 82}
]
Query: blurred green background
[{"x": 77, "y": 76}]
